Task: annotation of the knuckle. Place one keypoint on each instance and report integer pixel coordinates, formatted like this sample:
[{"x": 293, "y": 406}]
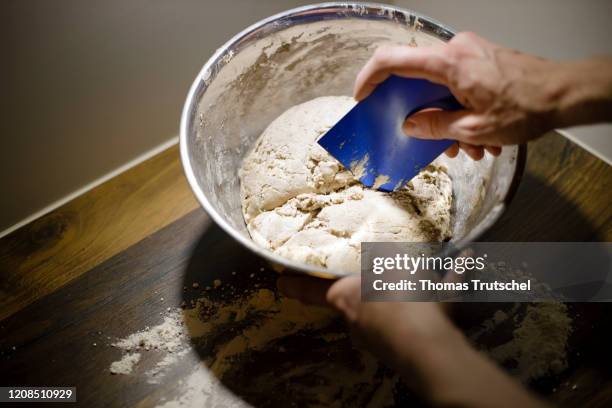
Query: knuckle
[
  {"x": 332, "y": 296},
  {"x": 459, "y": 132},
  {"x": 381, "y": 54},
  {"x": 445, "y": 60},
  {"x": 464, "y": 44},
  {"x": 434, "y": 126},
  {"x": 474, "y": 126},
  {"x": 453, "y": 58},
  {"x": 380, "y": 50},
  {"x": 472, "y": 131},
  {"x": 465, "y": 36},
  {"x": 470, "y": 82},
  {"x": 452, "y": 52},
  {"x": 465, "y": 85}
]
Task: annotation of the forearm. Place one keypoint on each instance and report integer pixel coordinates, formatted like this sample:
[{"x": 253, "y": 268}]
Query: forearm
[
  {"x": 585, "y": 91},
  {"x": 455, "y": 374}
]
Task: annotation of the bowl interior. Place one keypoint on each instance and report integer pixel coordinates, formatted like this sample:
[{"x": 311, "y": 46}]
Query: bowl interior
[{"x": 289, "y": 59}]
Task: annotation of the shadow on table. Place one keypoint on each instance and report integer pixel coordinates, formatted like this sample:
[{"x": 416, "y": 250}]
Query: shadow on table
[
  {"x": 271, "y": 351},
  {"x": 310, "y": 365},
  {"x": 539, "y": 213}
]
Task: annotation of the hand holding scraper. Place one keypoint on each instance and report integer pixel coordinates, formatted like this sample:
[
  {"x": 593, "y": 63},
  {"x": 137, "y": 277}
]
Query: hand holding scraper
[{"x": 369, "y": 139}]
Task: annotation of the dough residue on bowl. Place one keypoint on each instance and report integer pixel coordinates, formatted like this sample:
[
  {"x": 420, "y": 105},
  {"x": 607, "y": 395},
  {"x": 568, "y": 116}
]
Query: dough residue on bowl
[{"x": 302, "y": 204}]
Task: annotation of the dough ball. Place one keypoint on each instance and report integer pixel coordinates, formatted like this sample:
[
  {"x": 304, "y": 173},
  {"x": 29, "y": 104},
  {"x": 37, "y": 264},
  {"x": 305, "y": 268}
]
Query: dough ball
[{"x": 301, "y": 203}]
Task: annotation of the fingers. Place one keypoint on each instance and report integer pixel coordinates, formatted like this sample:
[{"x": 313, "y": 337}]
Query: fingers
[
  {"x": 426, "y": 62},
  {"x": 438, "y": 124},
  {"x": 475, "y": 152},
  {"x": 435, "y": 124},
  {"x": 306, "y": 289},
  {"x": 432, "y": 63},
  {"x": 345, "y": 296},
  {"x": 452, "y": 151},
  {"x": 493, "y": 150}
]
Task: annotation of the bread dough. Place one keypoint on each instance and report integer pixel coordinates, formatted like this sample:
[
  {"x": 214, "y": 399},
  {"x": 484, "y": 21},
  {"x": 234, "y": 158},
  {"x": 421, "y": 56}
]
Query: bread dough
[{"x": 301, "y": 203}]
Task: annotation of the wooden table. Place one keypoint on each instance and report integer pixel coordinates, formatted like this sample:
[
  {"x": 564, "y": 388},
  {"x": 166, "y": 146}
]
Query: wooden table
[{"x": 98, "y": 266}]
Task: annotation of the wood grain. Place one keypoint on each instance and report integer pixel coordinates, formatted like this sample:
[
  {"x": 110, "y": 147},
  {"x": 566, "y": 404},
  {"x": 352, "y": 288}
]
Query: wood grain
[
  {"x": 57, "y": 332},
  {"x": 60, "y": 246},
  {"x": 54, "y": 336},
  {"x": 564, "y": 195},
  {"x": 99, "y": 266}
]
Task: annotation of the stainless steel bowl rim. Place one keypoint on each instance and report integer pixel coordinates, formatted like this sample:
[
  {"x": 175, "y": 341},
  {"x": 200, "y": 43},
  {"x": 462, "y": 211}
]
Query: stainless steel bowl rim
[{"x": 200, "y": 85}]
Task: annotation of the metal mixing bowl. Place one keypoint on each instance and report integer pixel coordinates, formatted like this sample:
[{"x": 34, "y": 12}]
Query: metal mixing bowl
[{"x": 291, "y": 58}]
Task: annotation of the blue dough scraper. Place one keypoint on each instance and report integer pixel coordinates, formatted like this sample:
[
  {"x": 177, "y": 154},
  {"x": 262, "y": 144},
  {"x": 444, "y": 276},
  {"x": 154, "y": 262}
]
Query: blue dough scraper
[{"x": 369, "y": 139}]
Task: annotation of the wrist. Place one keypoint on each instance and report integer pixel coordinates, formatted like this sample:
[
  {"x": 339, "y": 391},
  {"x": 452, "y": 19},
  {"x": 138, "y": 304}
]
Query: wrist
[
  {"x": 453, "y": 373},
  {"x": 585, "y": 93},
  {"x": 442, "y": 367}
]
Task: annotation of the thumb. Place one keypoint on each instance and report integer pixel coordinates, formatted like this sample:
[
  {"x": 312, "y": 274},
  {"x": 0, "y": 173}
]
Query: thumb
[
  {"x": 345, "y": 296},
  {"x": 435, "y": 124}
]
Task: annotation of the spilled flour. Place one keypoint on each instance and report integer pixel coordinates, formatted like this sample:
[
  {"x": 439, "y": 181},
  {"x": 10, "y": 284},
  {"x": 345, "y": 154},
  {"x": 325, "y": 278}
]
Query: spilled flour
[
  {"x": 125, "y": 365},
  {"x": 535, "y": 342},
  {"x": 167, "y": 338},
  {"x": 539, "y": 345},
  {"x": 262, "y": 349},
  {"x": 252, "y": 349}
]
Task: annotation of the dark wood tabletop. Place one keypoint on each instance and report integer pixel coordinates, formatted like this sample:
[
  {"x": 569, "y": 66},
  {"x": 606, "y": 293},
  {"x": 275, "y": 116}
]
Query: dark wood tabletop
[{"x": 96, "y": 270}]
